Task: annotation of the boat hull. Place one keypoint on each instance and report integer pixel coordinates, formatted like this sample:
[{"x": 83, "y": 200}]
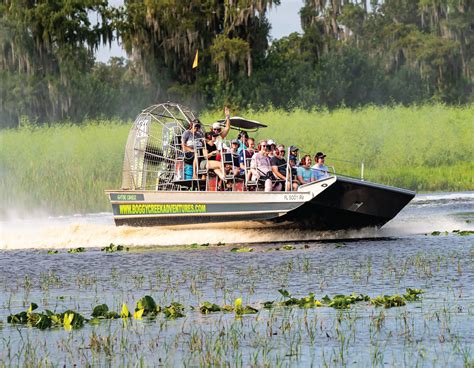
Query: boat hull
[
  {"x": 350, "y": 204},
  {"x": 334, "y": 203}
]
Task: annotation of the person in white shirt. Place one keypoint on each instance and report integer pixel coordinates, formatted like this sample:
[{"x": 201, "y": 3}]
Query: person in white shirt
[{"x": 320, "y": 170}]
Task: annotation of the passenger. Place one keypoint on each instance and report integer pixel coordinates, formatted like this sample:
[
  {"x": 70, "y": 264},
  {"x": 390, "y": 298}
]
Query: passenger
[
  {"x": 234, "y": 150},
  {"x": 271, "y": 146},
  {"x": 210, "y": 152},
  {"x": 320, "y": 170},
  {"x": 191, "y": 139},
  {"x": 243, "y": 141},
  {"x": 261, "y": 168},
  {"x": 293, "y": 158},
  {"x": 278, "y": 163},
  {"x": 222, "y": 132},
  {"x": 294, "y": 176},
  {"x": 294, "y": 152},
  {"x": 246, "y": 154},
  {"x": 304, "y": 173}
]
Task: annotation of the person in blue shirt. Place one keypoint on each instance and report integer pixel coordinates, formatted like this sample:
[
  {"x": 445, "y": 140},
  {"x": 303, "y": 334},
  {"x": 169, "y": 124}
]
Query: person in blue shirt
[
  {"x": 243, "y": 141},
  {"x": 320, "y": 170},
  {"x": 304, "y": 173}
]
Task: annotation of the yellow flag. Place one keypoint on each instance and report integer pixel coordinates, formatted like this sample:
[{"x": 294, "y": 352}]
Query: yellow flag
[{"x": 195, "y": 63}]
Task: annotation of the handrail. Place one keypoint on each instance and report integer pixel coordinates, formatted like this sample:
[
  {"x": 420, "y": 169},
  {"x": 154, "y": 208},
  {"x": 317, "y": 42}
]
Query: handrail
[{"x": 362, "y": 166}]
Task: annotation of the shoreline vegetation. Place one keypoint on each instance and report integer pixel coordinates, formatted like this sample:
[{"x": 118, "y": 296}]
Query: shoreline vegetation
[{"x": 65, "y": 168}]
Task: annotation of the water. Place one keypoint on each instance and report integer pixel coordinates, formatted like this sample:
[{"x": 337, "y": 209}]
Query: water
[{"x": 437, "y": 331}]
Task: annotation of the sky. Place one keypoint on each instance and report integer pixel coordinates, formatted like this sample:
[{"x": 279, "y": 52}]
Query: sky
[{"x": 283, "y": 18}]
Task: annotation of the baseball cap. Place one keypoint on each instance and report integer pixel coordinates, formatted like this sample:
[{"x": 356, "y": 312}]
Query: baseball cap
[
  {"x": 234, "y": 141},
  {"x": 293, "y": 148},
  {"x": 216, "y": 125},
  {"x": 270, "y": 142},
  {"x": 319, "y": 155}
]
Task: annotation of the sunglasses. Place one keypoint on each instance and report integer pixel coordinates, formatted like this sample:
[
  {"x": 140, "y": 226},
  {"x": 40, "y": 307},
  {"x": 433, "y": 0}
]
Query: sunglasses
[
  {"x": 216, "y": 129},
  {"x": 281, "y": 151}
]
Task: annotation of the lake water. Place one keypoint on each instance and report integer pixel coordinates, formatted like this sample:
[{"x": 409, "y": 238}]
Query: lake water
[{"x": 435, "y": 331}]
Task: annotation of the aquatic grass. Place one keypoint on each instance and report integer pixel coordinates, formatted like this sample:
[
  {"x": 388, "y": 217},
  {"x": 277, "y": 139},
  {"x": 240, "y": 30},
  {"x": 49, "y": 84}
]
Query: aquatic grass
[{"x": 64, "y": 168}]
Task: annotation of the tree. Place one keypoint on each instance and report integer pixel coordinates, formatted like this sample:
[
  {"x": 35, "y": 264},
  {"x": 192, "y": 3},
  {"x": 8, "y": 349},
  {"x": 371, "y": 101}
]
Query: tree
[{"x": 45, "y": 44}]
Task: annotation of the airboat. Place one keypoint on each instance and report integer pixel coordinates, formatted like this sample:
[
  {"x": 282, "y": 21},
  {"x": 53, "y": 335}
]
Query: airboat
[{"x": 155, "y": 190}]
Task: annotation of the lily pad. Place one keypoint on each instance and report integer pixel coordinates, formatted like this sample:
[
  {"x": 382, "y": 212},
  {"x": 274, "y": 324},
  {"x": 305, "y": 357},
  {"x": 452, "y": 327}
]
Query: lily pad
[
  {"x": 241, "y": 250},
  {"x": 100, "y": 311},
  {"x": 112, "y": 248},
  {"x": 208, "y": 307},
  {"x": 147, "y": 303},
  {"x": 174, "y": 310},
  {"x": 76, "y": 250}
]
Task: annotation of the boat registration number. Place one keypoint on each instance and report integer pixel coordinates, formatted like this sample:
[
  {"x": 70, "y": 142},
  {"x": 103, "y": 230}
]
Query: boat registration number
[{"x": 294, "y": 197}]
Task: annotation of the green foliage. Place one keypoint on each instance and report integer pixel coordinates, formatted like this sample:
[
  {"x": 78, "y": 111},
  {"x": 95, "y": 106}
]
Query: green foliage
[
  {"x": 112, "y": 248},
  {"x": 148, "y": 305},
  {"x": 349, "y": 54},
  {"x": 208, "y": 307},
  {"x": 345, "y": 301},
  {"x": 388, "y": 301},
  {"x": 465, "y": 232},
  {"x": 240, "y": 310},
  {"x": 102, "y": 312},
  {"x": 241, "y": 250},
  {"x": 69, "y": 319},
  {"x": 174, "y": 310},
  {"x": 76, "y": 250}
]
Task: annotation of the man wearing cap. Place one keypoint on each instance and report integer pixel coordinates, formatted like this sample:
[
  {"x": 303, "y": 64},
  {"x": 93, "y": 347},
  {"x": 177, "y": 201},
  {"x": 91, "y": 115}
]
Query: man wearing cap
[
  {"x": 279, "y": 163},
  {"x": 321, "y": 171},
  {"x": 192, "y": 138}
]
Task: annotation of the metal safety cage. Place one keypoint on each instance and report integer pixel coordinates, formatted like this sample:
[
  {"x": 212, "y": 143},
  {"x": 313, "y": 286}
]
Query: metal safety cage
[{"x": 154, "y": 157}]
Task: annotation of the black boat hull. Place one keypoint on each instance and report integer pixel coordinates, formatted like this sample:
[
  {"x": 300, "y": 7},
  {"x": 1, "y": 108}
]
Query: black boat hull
[{"x": 349, "y": 204}]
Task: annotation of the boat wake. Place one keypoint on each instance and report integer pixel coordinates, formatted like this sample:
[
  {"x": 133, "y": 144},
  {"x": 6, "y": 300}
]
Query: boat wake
[{"x": 427, "y": 213}]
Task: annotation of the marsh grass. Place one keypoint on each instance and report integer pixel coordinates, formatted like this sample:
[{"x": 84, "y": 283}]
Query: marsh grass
[{"x": 65, "y": 168}]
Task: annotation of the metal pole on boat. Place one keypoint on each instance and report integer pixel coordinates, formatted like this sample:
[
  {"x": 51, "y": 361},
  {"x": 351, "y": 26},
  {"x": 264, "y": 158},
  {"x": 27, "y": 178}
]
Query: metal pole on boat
[
  {"x": 362, "y": 171},
  {"x": 289, "y": 179}
]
